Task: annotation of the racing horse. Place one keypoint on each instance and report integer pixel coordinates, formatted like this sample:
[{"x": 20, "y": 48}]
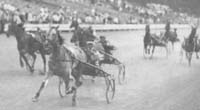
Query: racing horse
[
  {"x": 151, "y": 41},
  {"x": 28, "y": 44},
  {"x": 170, "y": 36},
  {"x": 67, "y": 63},
  {"x": 81, "y": 35},
  {"x": 190, "y": 45},
  {"x": 60, "y": 63}
]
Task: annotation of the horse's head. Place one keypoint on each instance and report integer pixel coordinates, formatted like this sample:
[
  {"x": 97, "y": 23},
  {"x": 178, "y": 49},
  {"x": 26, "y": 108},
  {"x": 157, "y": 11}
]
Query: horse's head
[
  {"x": 147, "y": 28},
  {"x": 167, "y": 27},
  {"x": 193, "y": 33},
  {"x": 89, "y": 34},
  {"x": 194, "y": 29},
  {"x": 53, "y": 38},
  {"x": 75, "y": 36},
  {"x": 74, "y": 24}
]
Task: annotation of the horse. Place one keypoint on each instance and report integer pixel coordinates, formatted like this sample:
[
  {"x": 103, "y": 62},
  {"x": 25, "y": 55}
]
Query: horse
[
  {"x": 151, "y": 41},
  {"x": 81, "y": 35},
  {"x": 170, "y": 36},
  {"x": 60, "y": 63},
  {"x": 28, "y": 45},
  {"x": 190, "y": 45},
  {"x": 65, "y": 62}
]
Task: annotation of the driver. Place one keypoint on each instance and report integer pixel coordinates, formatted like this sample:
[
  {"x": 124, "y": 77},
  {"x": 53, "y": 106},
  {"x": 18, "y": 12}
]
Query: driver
[{"x": 17, "y": 19}]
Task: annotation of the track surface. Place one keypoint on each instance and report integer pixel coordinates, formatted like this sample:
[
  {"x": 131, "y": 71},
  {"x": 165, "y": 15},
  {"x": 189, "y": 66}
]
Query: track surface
[{"x": 157, "y": 84}]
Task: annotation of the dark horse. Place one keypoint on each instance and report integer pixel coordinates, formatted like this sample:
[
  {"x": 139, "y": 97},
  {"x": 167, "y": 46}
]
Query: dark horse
[
  {"x": 65, "y": 62},
  {"x": 28, "y": 44},
  {"x": 190, "y": 45},
  {"x": 170, "y": 36},
  {"x": 151, "y": 41},
  {"x": 81, "y": 35}
]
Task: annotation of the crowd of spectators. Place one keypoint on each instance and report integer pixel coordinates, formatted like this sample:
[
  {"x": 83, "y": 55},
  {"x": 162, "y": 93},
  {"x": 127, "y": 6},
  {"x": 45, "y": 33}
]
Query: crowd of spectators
[
  {"x": 157, "y": 13},
  {"x": 151, "y": 13}
]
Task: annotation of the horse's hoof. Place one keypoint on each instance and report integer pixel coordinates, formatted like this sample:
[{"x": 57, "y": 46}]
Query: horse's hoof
[
  {"x": 70, "y": 90},
  {"x": 34, "y": 99},
  {"x": 32, "y": 70},
  {"x": 79, "y": 83},
  {"x": 21, "y": 65}
]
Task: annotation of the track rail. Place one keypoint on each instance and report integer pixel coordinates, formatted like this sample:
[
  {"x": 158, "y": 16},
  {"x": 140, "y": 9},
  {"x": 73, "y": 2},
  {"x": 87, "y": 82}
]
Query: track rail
[{"x": 104, "y": 27}]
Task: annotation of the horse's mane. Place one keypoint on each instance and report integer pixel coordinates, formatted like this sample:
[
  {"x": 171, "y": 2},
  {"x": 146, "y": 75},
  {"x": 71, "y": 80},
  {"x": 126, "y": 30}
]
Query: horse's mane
[
  {"x": 60, "y": 38},
  {"x": 193, "y": 32},
  {"x": 19, "y": 32}
]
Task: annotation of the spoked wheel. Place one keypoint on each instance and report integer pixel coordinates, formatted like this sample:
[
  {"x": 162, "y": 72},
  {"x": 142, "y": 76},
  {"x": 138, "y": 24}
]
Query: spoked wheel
[
  {"x": 121, "y": 75},
  {"x": 110, "y": 89},
  {"x": 61, "y": 88}
]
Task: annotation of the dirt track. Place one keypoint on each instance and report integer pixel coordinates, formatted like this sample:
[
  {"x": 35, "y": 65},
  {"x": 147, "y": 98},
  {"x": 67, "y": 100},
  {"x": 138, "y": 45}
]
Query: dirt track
[{"x": 158, "y": 84}]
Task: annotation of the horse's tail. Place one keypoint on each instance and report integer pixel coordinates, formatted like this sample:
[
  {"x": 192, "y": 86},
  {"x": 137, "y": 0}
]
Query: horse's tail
[
  {"x": 61, "y": 39},
  {"x": 21, "y": 62}
]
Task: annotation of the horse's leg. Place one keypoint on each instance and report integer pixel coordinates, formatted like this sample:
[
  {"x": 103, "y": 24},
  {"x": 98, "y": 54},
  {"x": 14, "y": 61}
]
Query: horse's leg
[
  {"x": 34, "y": 58},
  {"x": 181, "y": 55},
  {"x": 197, "y": 55},
  {"x": 152, "y": 52},
  {"x": 166, "y": 51},
  {"x": 44, "y": 61},
  {"x": 44, "y": 83},
  {"x": 73, "y": 87},
  {"x": 20, "y": 60},
  {"x": 190, "y": 58},
  {"x": 145, "y": 48},
  {"x": 77, "y": 75},
  {"x": 173, "y": 46},
  {"x": 26, "y": 61},
  {"x": 121, "y": 72},
  {"x": 72, "y": 80},
  {"x": 74, "y": 97}
]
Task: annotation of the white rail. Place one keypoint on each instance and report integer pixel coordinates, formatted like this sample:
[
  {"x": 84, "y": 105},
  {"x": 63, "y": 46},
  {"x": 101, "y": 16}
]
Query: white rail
[{"x": 104, "y": 27}]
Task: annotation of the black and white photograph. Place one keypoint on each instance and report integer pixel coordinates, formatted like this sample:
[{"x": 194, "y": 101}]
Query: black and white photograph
[{"x": 99, "y": 55}]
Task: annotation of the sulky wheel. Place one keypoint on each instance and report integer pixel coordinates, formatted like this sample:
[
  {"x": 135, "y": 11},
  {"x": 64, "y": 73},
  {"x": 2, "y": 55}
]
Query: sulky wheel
[
  {"x": 110, "y": 89},
  {"x": 61, "y": 88},
  {"x": 121, "y": 75}
]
